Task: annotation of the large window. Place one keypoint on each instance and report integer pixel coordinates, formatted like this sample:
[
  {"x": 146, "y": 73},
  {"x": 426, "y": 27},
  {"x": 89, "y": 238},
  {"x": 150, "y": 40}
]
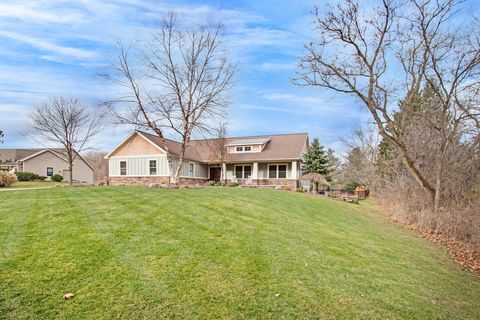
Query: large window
[
  {"x": 243, "y": 171},
  {"x": 153, "y": 167},
  {"x": 123, "y": 168},
  {"x": 49, "y": 171},
  {"x": 239, "y": 149},
  {"x": 191, "y": 168},
  {"x": 277, "y": 171}
]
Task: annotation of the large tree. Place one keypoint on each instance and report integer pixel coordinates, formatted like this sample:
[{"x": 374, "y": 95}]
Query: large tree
[
  {"x": 316, "y": 160},
  {"x": 177, "y": 87},
  {"x": 392, "y": 49},
  {"x": 1, "y": 136},
  {"x": 66, "y": 122}
]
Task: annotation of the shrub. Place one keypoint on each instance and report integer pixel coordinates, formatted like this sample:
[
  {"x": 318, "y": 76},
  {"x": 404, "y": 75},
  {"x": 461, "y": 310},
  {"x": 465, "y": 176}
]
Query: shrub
[
  {"x": 210, "y": 183},
  {"x": 234, "y": 184},
  {"x": 7, "y": 178},
  {"x": 27, "y": 176},
  {"x": 351, "y": 186},
  {"x": 42, "y": 178},
  {"x": 57, "y": 178},
  {"x": 299, "y": 190}
]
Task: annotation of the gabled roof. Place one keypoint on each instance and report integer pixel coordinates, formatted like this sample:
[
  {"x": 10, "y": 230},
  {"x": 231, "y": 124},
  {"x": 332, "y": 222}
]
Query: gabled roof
[
  {"x": 20, "y": 155},
  {"x": 278, "y": 147}
]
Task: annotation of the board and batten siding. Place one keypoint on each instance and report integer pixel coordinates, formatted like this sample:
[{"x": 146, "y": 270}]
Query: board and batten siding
[{"x": 140, "y": 167}]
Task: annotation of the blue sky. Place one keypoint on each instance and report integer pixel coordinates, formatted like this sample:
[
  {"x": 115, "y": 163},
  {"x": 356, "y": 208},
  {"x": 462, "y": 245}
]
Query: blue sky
[{"x": 52, "y": 47}]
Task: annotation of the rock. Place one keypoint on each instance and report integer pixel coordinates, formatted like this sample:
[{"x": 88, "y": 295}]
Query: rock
[{"x": 68, "y": 296}]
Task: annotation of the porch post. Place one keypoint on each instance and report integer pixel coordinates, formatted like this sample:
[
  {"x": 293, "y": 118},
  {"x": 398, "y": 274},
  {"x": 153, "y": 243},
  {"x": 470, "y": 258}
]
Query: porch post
[
  {"x": 224, "y": 171},
  {"x": 255, "y": 171},
  {"x": 294, "y": 170}
]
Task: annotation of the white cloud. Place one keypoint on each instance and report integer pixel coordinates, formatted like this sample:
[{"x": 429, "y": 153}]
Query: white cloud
[
  {"x": 48, "y": 46},
  {"x": 31, "y": 12}
]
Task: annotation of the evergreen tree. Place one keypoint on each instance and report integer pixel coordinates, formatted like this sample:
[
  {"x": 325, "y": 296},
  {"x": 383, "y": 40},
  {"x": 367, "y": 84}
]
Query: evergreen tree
[{"x": 316, "y": 160}]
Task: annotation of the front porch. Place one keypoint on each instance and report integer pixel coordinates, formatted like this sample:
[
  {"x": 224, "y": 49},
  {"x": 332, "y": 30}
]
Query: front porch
[{"x": 257, "y": 174}]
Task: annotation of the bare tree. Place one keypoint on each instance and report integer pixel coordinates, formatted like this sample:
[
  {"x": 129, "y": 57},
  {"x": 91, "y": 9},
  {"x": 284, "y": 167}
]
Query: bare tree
[
  {"x": 99, "y": 163},
  {"x": 185, "y": 78},
  {"x": 1, "y": 136},
  {"x": 363, "y": 54},
  {"x": 218, "y": 150},
  {"x": 67, "y": 122}
]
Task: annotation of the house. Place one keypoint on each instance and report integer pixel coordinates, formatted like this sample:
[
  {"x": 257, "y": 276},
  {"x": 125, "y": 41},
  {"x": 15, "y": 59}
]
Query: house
[
  {"x": 46, "y": 162},
  {"x": 272, "y": 160}
]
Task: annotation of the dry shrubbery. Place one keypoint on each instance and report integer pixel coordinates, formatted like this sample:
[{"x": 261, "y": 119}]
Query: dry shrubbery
[{"x": 7, "y": 179}]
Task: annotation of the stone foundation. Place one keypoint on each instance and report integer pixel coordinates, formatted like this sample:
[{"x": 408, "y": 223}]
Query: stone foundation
[
  {"x": 146, "y": 181},
  {"x": 291, "y": 183}
]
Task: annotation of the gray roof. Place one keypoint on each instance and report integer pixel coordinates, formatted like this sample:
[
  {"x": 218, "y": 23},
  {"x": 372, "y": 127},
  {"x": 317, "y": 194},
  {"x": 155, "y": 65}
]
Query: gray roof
[
  {"x": 14, "y": 155},
  {"x": 278, "y": 147}
]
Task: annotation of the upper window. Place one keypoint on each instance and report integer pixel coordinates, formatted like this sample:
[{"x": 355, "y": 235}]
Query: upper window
[
  {"x": 153, "y": 167},
  {"x": 123, "y": 168},
  {"x": 49, "y": 171},
  {"x": 192, "y": 169},
  {"x": 277, "y": 171},
  {"x": 243, "y": 148}
]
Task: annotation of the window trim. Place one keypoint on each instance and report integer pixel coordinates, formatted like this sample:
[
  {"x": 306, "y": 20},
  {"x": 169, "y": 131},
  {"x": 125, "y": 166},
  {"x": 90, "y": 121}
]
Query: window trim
[
  {"x": 277, "y": 165},
  {"x": 243, "y": 170},
  {"x": 120, "y": 167},
  {"x": 191, "y": 169},
  {"x": 239, "y": 149},
  {"x": 150, "y": 167},
  {"x": 53, "y": 172}
]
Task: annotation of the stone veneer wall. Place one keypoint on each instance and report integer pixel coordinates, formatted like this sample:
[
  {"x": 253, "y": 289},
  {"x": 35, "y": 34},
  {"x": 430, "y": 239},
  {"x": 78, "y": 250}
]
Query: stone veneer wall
[
  {"x": 292, "y": 183},
  {"x": 145, "y": 181}
]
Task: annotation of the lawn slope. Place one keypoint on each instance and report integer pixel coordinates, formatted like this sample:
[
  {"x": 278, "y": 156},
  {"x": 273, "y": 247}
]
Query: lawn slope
[{"x": 132, "y": 252}]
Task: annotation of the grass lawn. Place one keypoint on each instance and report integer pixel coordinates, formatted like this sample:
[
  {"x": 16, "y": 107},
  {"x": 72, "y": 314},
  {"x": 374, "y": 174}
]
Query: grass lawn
[
  {"x": 33, "y": 184},
  {"x": 132, "y": 252}
]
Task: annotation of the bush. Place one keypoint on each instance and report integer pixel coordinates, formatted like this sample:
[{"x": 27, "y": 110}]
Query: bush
[
  {"x": 219, "y": 183},
  {"x": 210, "y": 183},
  {"x": 57, "y": 178},
  {"x": 27, "y": 176},
  {"x": 234, "y": 184},
  {"x": 351, "y": 186},
  {"x": 7, "y": 178},
  {"x": 42, "y": 178},
  {"x": 299, "y": 190}
]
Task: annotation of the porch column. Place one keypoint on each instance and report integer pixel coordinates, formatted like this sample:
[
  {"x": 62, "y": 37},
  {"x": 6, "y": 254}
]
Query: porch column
[
  {"x": 224, "y": 171},
  {"x": 294, "y": 170},
  {"x": 255, "y": 171}
]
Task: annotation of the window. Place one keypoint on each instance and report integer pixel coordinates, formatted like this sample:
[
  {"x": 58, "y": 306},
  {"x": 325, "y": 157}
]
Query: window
[
  {"x": 239, "y": 172},
  {"x": 123, "y": 168},
  {"x": 153, "y": 167},
  {"x": 243, "y": 171},
  {"x": 49, "y": 171},
  {"x": 272, "y": 171},
  {"x": 282, "y": 171},
  {"x": 192, "y": 169},
  {"x": 243, "y": 148},
  {"x": 277, "y": 171}
]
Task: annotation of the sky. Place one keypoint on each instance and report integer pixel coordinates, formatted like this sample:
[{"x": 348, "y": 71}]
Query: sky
[{"x": 52, "y": 47}]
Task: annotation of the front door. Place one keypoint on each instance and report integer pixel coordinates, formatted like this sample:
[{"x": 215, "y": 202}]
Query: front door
[{"x": 215, "y": 173}]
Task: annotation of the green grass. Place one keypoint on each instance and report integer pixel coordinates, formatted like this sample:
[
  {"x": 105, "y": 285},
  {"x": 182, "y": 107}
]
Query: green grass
[
  {"x": 230, "y": 253},
  {"x": 34, "y": 184}
]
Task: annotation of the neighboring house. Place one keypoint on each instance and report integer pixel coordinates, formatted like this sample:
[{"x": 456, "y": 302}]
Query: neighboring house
[
  {"x": 46, "y": 162},
  {"x": 258, "y": 160}
]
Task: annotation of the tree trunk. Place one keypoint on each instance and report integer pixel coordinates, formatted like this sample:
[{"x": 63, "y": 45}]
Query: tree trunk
[
  {"x": 70, "y": 173},
  {"x": 438, "y": 184}
]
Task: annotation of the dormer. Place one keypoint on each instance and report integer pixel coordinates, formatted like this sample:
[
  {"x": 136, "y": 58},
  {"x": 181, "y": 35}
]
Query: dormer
[{"x": 247, "y": 145}]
